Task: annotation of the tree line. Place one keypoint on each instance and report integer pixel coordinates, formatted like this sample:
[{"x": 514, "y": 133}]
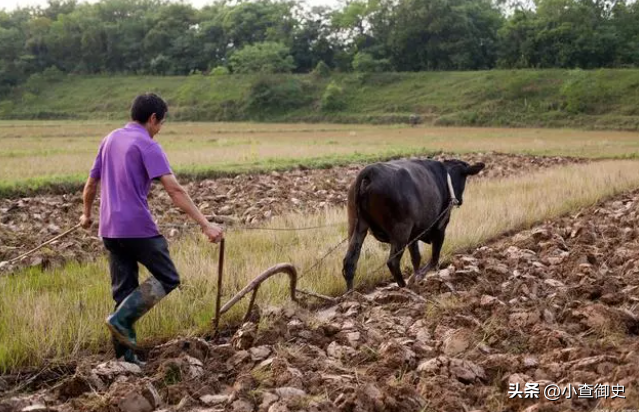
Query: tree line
[{"x": 158, "y": 37}]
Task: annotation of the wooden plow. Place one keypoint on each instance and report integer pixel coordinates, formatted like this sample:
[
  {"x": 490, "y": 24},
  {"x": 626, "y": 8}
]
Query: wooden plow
[{"x": 254, "y": 285}]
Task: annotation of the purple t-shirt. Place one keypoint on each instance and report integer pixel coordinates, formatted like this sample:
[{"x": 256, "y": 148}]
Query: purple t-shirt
[{"x": 126, "y": 163}]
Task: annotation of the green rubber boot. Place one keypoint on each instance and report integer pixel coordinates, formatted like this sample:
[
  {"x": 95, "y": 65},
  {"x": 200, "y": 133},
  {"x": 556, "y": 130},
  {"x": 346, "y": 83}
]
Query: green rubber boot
[
  {"x": 132, "y": 308},
  {"x": 124, "y": 352}
]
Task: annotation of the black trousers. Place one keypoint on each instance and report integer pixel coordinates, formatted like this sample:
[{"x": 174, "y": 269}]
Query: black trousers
[{"x": 124, "y": 256}]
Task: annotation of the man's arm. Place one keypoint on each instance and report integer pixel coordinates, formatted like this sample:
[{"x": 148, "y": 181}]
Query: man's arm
[
  {"x": 88, "y": 196},
  {"x": 181, "y": 199}
]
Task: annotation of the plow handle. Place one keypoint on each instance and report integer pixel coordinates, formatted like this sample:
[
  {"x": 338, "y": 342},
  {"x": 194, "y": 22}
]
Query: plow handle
[{"x": 220, "y": 271}]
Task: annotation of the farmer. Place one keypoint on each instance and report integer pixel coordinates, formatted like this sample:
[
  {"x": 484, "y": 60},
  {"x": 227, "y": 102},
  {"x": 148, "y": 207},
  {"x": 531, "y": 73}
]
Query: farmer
[{"x": 127, "y": 161}]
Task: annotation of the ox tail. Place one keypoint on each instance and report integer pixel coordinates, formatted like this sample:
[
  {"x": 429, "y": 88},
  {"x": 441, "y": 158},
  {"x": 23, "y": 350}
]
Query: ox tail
[{"x": 355, "y": 198}]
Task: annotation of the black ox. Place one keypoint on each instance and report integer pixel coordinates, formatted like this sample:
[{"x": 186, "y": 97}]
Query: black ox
[{"x": 399, "y": 201}]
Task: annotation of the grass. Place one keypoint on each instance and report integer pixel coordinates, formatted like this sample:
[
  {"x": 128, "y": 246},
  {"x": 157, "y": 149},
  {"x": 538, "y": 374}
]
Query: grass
[
  {"x": 56, "y": 155},
  {"x": 603, "y": 99},
  {"x": 59, "y": 314}
]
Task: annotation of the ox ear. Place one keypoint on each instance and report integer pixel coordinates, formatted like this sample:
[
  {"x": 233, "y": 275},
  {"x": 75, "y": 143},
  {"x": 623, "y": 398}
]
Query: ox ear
[{"x": 474, "y": 169}]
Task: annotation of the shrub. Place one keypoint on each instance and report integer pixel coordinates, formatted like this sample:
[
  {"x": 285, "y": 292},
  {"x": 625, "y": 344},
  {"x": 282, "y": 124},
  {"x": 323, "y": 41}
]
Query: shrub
[
  {"x": 29, "y": 98},
  {"x": 333, "y": 98},
  {"x": 277, "y": 93},
  {"x": 161, "y": 64},
  {"x": 6, "y": 107},
  {"x": 38, "y": 81},
  {"x": 219, "y": 71},
  {"x": 322, "y": 69},
  {"x": 366, "y": 63}
]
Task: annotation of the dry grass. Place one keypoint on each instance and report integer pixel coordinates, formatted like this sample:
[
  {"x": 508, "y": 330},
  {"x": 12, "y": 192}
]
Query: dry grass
[
  {"x": 55, "y": 151},
  {"x": 60, "y": 313}
]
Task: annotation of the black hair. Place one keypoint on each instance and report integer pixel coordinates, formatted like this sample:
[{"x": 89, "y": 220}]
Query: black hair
[{"x": 145, "y": 105}]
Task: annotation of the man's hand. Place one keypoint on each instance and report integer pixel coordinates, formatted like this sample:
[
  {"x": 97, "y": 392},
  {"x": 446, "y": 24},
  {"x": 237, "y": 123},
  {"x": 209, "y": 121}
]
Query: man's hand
[
  {"x": 182, "y": 200},
  {"x": 86, "y": 221},
  {"x": 88, "y": 196},
  {"x": 213, "y": 232}
]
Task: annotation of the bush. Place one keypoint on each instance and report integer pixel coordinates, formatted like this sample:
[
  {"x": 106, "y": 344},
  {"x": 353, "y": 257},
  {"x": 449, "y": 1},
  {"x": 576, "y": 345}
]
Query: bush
[
  {"x": 161, "y": 64},
  {"x": 322, "y": 69},
  {"x": 219, "y": 71},
  {"x": 38, "y": 81},
  {"x": 277, "y": 93},
  {"x": 6, "y": 107},
  {"x": 333, "y": 98},
  {"x": 266, "y": 57},
  {"x": 29, "y": 98},
  {"x": 366, "y": 63}
]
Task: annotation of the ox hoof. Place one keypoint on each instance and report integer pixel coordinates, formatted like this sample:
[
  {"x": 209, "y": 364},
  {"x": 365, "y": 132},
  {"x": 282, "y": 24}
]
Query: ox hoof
[{"x": 415, "y": 278}]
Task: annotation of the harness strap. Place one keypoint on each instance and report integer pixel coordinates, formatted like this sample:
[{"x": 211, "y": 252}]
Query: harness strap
[{"x": 453, "y": 199}]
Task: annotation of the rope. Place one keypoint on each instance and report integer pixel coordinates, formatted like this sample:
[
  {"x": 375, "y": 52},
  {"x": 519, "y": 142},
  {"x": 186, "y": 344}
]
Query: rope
[
  {"x": 22, "y": 256},
  {"x": 264, "y": 228},
  {"x": 277, "y": 229},
  {"x": 452, "y": 203},
  {"x": 320, "y": 260},
  {"x": 297, "y": 229}
]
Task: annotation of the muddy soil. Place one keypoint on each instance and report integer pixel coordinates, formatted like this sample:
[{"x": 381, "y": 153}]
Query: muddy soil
[
  {"x": 245, "y": 199},
  {"x": 555, "y": 305}
]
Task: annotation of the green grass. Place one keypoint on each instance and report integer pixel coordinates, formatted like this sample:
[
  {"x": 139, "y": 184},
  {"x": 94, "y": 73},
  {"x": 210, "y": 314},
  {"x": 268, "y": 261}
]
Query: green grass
[
  {"x": 59, "y": 314},
  {"x": 38, "y": 156},
  {"x": 601, "y": 99}
]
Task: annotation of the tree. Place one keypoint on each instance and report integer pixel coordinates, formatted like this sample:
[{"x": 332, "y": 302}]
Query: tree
[
  {"x": 561, "y": 33},
  {"x": 266, "y": 57},
  {"x": 354, "y": 17},
  {"x": 257, "y": 21},
  {"x": 310, "y": 40},
  {"x": 444, "y": 35},
  {"x": 170, "y": 37},
  {"x": 362, "y": 26},
  {"x": 517, "y": 41},
  {"x": 625, "y": 18}
]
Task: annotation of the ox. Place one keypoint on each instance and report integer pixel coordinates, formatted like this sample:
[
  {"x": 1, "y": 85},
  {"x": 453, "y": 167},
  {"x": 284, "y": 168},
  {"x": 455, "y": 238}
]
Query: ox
[{"x": 403, "y": 200}]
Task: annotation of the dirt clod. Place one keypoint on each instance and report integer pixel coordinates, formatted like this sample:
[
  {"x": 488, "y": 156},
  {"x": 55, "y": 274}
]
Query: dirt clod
[
  {"x": 213, "y": 400},
  {"x": 38, "y": 408},
  {"x": 135, "y": 402},
  {"x": 287, "y": 393}
]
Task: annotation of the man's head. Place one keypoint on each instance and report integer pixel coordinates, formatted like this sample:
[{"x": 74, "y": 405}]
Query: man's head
[{"x": 150, "y": 111}]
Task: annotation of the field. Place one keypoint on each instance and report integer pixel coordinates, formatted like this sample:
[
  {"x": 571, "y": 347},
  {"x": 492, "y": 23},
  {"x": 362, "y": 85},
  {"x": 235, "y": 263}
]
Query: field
[
  {"x": 538, "y": 284},
  {"x": 42, "y": 155}
]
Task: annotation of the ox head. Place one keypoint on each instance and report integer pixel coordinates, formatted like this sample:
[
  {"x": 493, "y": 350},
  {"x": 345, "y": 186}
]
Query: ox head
[{"x": 459, "y": 171}]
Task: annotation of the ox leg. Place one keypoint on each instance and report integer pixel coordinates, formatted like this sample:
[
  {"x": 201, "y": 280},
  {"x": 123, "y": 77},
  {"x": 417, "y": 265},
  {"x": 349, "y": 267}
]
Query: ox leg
[
  {"x": 438, "y": 242},
  {"x": 394, "y": 263},
  {"x": 415, "y": 256},
  {"x": 352, "y": 255},
  {"x": 437, "y": 239}
]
